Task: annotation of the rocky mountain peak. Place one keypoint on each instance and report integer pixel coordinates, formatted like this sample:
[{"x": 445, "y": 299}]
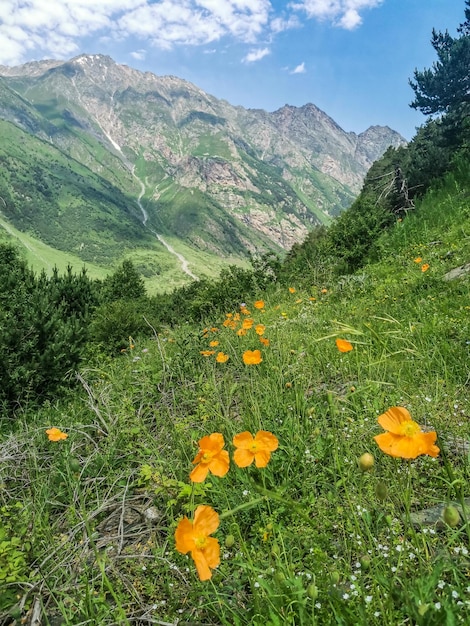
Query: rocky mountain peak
[{"x": 270, "y": 176}]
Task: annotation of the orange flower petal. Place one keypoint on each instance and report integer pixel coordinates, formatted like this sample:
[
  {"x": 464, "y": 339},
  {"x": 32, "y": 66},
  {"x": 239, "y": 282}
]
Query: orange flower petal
[
  {"x": 203, "y": 569},
  {"x": 252, "y": 357},
  {"x": 199, "y": 473},
  {"x": 184, "y": 541},
  {"x": 212, "y": 552},
  {"x": 343, "y": 345},
  {"x": 213, "y": 442},
  {"x": 408, "y": 447},
  {"x": 267, "y": 440},
  {"x": 55, "y": 434},
  {"x": 220, "y": 464},
  {"x": 243, "y": 440},
  {"x": 207, "y": 558},
  {"x": 262, "y": 458},
  {"x": 243, "y": 457},
  {"x": 206, "y": 520},
  {"x": 392, "y": 419}
]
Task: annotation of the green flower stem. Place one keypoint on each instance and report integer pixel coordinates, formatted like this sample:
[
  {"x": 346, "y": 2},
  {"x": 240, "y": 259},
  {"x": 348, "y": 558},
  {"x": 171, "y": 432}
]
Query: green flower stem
[{"x": 241, "y": 507}]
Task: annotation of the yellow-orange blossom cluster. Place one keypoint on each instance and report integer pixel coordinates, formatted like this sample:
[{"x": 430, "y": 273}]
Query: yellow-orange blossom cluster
[{"x": 193, "y": 536}]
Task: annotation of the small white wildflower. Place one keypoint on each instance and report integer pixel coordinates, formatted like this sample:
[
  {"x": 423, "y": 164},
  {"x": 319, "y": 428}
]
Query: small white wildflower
[
  {"x": 368, "y": 599},
  {"x": 437, "y": 606},
  {"x": 455, "y": 594},
  {"x": 345, "y": 596}
]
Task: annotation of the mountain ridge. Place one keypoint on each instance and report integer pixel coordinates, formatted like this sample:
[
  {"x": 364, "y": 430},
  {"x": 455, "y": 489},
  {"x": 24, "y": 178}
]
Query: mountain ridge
[{"x": 222, "y": 178}]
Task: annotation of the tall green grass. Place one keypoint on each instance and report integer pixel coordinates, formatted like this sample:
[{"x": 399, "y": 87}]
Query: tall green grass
[{"x": 87, "y": 532}]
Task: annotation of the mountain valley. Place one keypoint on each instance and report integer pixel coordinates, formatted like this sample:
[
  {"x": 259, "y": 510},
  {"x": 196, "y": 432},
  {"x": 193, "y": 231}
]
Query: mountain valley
[{"x": 104, "y": 162}]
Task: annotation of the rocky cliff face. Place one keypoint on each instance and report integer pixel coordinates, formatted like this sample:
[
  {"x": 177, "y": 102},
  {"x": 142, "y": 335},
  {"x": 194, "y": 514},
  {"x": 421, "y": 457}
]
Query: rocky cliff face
[{"x": 191, "y": 155}]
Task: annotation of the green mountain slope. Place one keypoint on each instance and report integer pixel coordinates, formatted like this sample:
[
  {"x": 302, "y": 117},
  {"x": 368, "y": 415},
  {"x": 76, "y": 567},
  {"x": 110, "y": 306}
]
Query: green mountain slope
[
  {"x": 315, "y": 532},
  {"x": 222, "y": 180}
]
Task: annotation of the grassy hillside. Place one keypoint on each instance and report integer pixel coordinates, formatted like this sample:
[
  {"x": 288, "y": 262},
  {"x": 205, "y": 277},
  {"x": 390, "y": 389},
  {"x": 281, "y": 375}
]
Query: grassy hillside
[{"x": 320, "y": 535}]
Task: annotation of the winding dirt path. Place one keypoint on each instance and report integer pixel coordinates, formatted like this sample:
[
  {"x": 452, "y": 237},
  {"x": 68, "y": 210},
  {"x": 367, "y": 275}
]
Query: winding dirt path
[{"x": 180, "y": 257}]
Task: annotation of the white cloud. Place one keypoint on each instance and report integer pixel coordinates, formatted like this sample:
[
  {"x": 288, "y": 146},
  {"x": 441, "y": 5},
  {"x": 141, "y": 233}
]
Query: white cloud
[
  {"x": 256, "y": 55},
  {"x": 138, "y": 54},
  {"x": 350, "y": 19},
  {"x": 300, "y": 69},
  {"x": 56, "y": 27},
  {"x": 343, "y": 13},
  {"x": 41, "y": 28},
  {"x": 279, "y": 24}
]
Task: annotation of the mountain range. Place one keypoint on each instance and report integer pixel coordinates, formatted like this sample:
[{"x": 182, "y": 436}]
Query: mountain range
[{"x": 102, "y": 161}]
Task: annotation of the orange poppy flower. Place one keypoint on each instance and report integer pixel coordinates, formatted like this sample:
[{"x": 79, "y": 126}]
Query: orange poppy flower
[
  {"x": 230, "y": 324},
  {"x": 244, "y": 310},
  {"x": 291, "y": 289},
  {"x": 222, "y": 357},
  {"x": 55, "y": 434},
  {"x": 213, "y": 344},
  {"x": 264, "y": 341},
  {"x": 324, "y": 290},
  {"x": 194, "y": 537},
  {"x": 210, "y": 458},
  {"x": 241, "y": 332},
  {"x": 259, "y": 304},
  {"x": 258, "y": 448},
  {"x": 425, "y": 267},
  {"x": 404, "y": 438},
  {"x": 207, "y": 352},
  {"x": 259, "y": 329},
  {"x": 418, "y": 259},
  {"x": 343, "y": 345},
  {"x": 252, "y": 357},
  {"x": 247, "y": 323}
]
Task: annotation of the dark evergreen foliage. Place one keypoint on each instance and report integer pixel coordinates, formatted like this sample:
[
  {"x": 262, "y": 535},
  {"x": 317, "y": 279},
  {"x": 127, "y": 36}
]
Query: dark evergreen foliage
[
  {"x": 124, "y": 284},
  {"x": 43, "y": 326},
  {"x": 445, "y": 88}
]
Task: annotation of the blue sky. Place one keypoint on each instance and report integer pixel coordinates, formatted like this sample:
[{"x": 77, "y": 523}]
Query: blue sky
[{"x": 351, "y": 58}]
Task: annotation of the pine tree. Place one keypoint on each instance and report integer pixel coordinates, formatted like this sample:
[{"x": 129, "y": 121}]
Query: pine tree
[{"x": 445, "y": 88}]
